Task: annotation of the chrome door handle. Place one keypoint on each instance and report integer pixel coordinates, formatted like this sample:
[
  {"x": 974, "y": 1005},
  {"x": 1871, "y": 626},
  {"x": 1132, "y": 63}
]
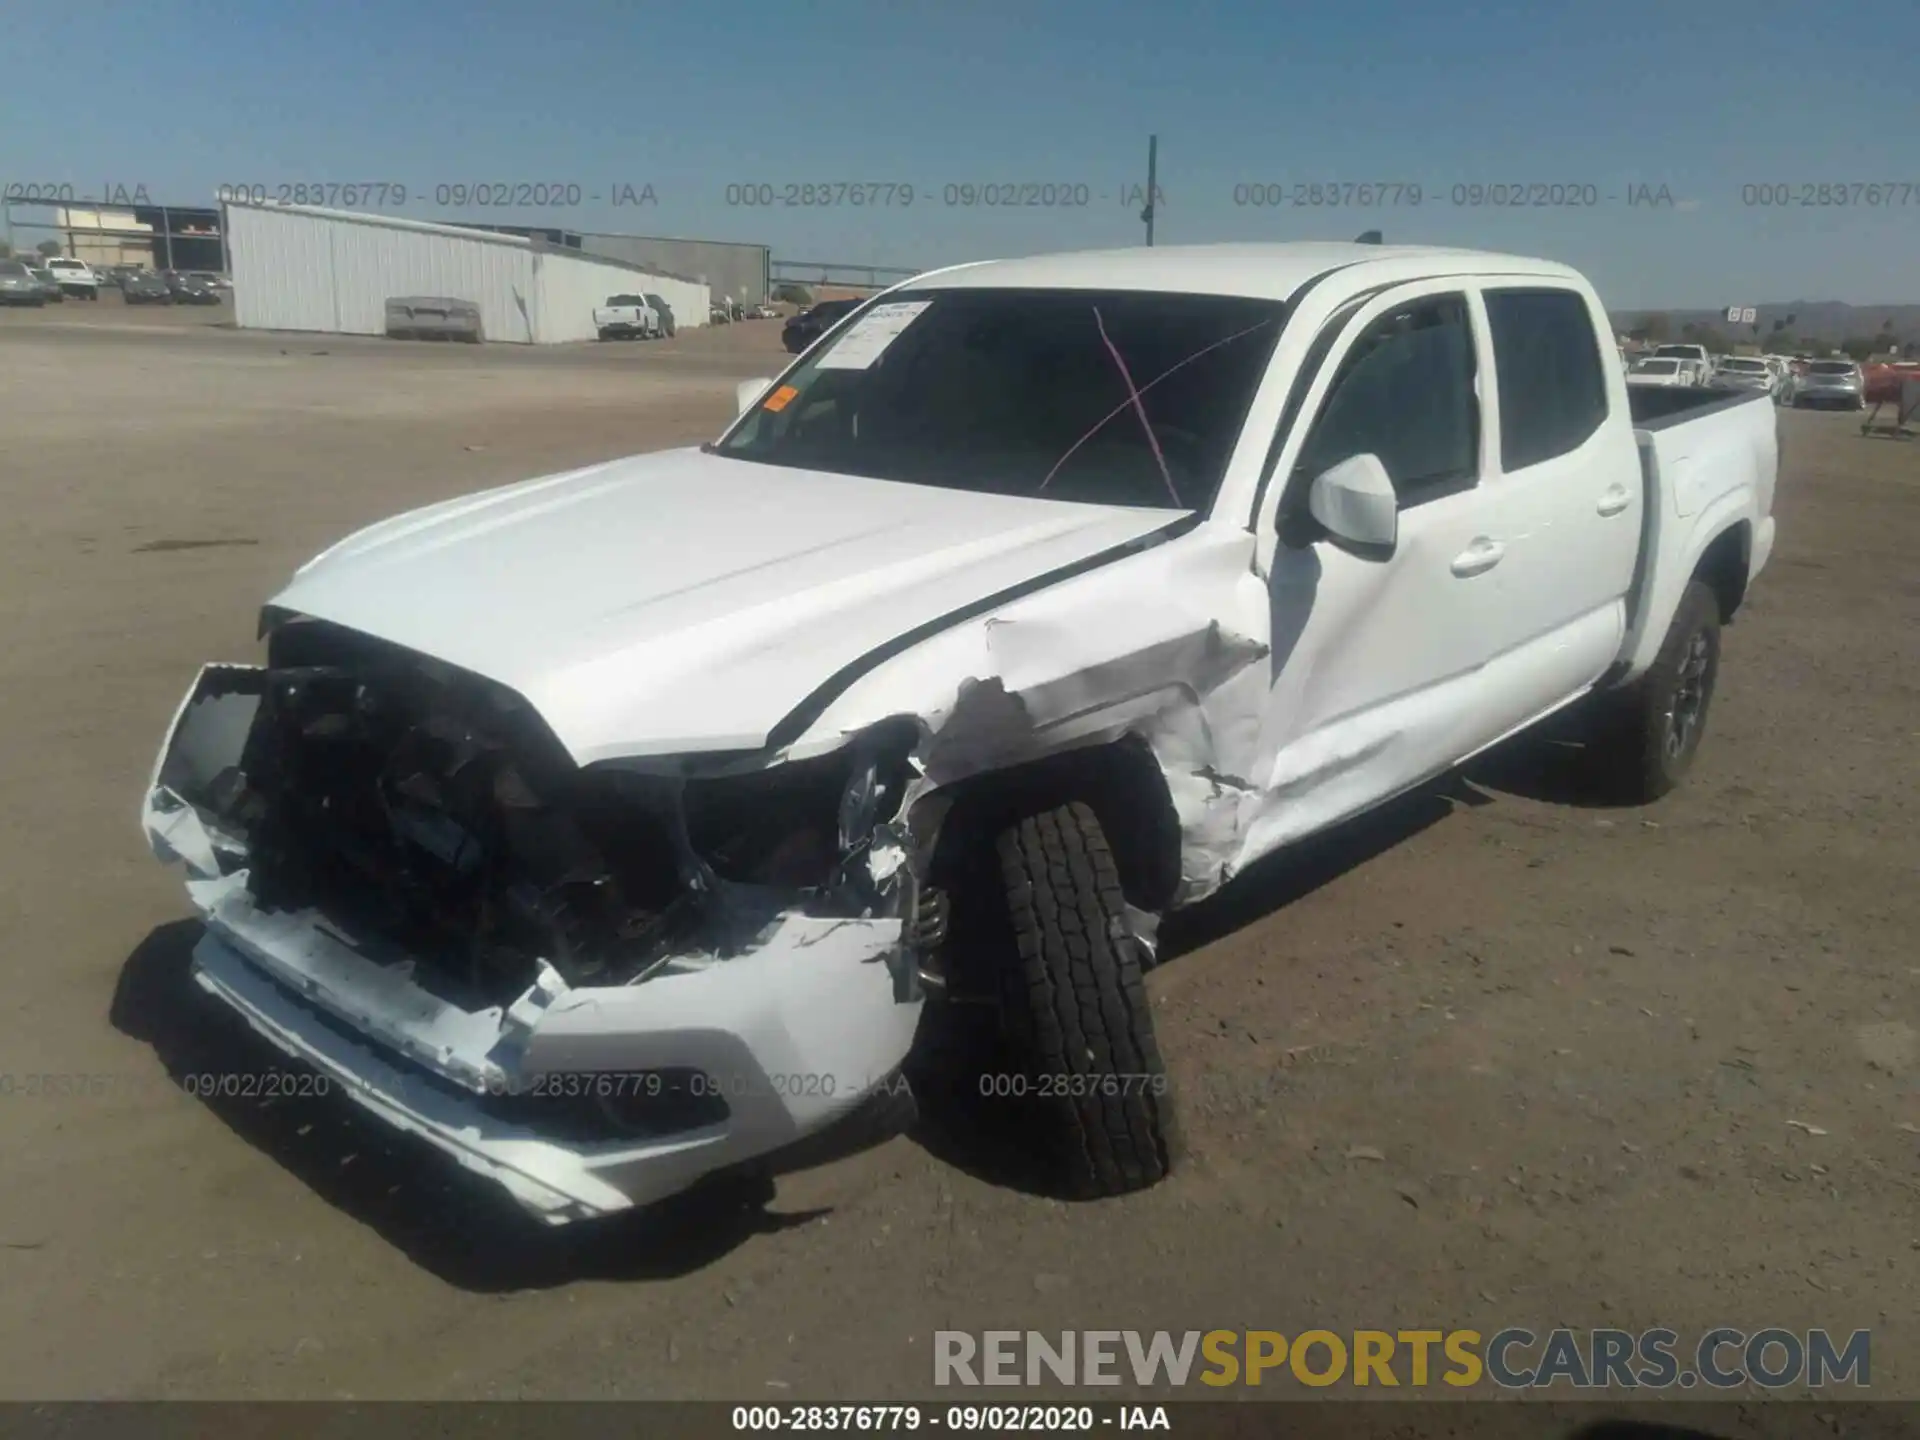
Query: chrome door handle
[
  {"x": 1614, "y": 499},
  {"x": 1478, "y": 558}
]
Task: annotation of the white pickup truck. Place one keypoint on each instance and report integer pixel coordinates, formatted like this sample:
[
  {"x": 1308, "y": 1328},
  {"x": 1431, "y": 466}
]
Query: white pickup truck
[
  {"x": 626, "y": 317},
  {"x": 75, "y": 277},
  {"x": 617, "y": 828}
]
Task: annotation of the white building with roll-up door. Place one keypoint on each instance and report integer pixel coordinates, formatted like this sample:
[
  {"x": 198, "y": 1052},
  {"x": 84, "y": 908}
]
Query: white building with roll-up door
[{"x": 300, "y": 267}]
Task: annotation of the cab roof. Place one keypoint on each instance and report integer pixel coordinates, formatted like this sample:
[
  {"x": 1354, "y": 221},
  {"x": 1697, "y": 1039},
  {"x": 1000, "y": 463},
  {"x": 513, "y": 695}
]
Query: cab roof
[{"x": 1256, "y": 271}]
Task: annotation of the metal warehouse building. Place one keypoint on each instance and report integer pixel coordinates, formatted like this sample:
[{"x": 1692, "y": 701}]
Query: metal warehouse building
[
  {"x": 729, "y": 267},
  {"x": 742, "y": 271},
  {"x": 299, "y": 267}
]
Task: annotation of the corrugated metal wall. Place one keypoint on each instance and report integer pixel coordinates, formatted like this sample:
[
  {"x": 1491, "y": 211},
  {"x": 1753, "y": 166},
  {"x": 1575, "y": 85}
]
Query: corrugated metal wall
[
  {"x": 570, "y": 286},
  {"x": 302, "y": 268},
  {"x": 730, "y": 269}
]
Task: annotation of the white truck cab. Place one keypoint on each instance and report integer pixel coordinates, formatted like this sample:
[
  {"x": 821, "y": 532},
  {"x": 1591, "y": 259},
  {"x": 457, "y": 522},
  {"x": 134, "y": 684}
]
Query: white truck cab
[{"x": 1040, "y": 598}]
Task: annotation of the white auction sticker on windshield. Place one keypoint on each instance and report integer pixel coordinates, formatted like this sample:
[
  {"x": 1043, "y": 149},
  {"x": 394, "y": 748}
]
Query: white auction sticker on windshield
[{"x": 871, "y": 334}]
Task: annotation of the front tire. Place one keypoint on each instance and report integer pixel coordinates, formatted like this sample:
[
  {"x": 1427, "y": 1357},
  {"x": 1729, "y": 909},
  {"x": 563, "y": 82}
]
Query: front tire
[
  {"x": 1076, "y": 1008},
  {"x": 1650, "y": 735}
]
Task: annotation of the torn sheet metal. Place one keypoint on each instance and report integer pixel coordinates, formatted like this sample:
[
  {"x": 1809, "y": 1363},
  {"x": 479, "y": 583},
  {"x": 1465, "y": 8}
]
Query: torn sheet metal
[{"x": 1167, "y": 645}]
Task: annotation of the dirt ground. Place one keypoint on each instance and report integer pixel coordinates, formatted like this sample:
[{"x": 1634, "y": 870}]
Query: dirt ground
[{"x": 1574, "y": 1037}]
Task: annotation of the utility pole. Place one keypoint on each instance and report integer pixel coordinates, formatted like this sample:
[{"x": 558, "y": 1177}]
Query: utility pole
[{"x": 1153, "y": 170}]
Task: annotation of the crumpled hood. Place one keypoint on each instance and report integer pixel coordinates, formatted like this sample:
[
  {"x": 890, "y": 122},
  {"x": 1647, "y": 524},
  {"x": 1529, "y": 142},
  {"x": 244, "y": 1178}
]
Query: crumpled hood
[{"x": 681, "y": 601}]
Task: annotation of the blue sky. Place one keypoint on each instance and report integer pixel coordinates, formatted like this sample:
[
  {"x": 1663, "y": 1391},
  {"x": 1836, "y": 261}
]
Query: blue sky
[{"x": 1700, "y": 97}]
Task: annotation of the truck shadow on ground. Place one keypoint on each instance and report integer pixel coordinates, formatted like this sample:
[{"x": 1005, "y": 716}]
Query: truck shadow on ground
[
  {"x": 458, "y": 1227},
  {"x": 1550, "y": 763}
]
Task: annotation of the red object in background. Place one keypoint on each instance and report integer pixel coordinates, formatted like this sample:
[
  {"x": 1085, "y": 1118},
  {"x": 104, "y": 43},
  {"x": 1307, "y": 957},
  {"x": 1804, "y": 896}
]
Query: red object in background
[{"x": 1883, "y": 382}]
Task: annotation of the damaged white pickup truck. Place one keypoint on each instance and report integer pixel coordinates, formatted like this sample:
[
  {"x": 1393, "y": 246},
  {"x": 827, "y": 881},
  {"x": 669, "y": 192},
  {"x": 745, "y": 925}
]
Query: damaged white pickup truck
[{"x": 615, "y": 828}]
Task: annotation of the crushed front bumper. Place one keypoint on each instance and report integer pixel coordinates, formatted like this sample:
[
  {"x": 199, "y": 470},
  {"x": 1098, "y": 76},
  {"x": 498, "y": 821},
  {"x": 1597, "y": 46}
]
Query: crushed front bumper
[{"x": 793, "y": 1036}]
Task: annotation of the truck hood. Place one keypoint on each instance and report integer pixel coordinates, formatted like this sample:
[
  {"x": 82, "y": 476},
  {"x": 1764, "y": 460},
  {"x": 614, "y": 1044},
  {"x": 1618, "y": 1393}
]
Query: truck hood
[{"x": 683, "y": 602}]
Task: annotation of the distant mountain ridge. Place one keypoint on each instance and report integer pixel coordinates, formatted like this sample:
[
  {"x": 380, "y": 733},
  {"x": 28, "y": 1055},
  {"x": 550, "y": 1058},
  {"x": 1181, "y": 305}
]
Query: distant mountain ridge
[{"x": 1832, "y": 320}]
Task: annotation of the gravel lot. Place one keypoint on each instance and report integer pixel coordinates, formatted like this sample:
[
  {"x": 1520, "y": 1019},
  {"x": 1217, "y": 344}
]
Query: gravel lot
[{"x": 1497, "y": 1057}]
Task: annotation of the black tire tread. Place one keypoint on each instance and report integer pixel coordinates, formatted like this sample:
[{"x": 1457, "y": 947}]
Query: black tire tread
[
  {"x": 1077, "y": 1004},
  {"x": 1630, "y": 746}
]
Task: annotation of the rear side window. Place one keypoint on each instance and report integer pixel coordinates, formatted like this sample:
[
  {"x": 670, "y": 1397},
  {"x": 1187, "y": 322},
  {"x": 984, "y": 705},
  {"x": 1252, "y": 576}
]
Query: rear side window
[{"x": 1553, "y": 394}]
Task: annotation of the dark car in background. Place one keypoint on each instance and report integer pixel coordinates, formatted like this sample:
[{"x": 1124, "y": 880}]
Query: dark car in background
[
  {"x": 49, "y": 287},
  {"x": 191, "y": 289},
  {"x": 143, "y": 287},
  {"x": 809, "y": 325},
  {"x": 664, "y": 311},
  {"x": 18, "y": 287}
]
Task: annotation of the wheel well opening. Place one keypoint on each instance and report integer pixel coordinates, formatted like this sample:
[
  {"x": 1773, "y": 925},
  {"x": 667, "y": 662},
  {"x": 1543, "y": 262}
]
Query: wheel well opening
[
  {"x": 1724, "y": 568},
  {"x": 1121, "y": 782}
]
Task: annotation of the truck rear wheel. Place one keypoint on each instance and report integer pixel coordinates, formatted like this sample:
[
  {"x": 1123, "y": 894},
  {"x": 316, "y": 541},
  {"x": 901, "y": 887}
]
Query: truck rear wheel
[
  {"x": 1650, "y": 733},
  {"x": 1076, "y": 1008}
]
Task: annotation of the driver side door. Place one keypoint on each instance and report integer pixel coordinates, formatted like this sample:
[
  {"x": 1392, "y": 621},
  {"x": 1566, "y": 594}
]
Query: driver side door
[{"x": 1378, "y": 655}]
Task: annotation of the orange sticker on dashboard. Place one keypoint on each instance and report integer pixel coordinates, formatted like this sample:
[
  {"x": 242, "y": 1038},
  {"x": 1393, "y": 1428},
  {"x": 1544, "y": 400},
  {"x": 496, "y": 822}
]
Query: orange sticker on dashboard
[{"x": 781, "y": 398}]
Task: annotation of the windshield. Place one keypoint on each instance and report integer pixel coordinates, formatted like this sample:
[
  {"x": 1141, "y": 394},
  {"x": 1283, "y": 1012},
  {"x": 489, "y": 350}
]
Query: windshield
[
  {"x": 1830, "y": 367},
  {"x": 1655, "y": 367},
  {"x": 1128, "y": 398},
  {"x": 624, "y": 300},
  {"x": 1748, "y": 367},
  {"x": 12, "y": 267}
]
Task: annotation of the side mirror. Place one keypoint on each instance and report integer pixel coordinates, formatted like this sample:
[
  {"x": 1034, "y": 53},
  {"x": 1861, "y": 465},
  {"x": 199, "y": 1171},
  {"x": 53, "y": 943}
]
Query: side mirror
[
  {"x": 747, "y": 392},
  {"x": 1355, "y": 501}
]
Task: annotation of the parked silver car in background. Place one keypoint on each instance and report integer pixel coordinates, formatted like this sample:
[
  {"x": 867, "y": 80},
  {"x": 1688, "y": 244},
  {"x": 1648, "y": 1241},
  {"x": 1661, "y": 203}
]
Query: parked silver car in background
[
  {"x": 17, "y": 285},
  {"x": 1833, "y": 383}
]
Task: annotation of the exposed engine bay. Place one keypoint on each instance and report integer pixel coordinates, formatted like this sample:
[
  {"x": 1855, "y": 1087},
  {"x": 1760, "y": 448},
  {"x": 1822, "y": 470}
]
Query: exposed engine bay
[{"x": 420, "y": 807}]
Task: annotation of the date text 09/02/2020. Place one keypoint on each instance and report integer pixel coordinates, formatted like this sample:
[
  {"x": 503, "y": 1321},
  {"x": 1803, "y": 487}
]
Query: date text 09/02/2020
[{"x": 208, "y": 1084}]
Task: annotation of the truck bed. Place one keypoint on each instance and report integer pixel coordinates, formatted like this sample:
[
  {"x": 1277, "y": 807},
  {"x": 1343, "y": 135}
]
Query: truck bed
[
  {"x": 1655, "y": 407},
  {"x": 1708, "y": 460}
]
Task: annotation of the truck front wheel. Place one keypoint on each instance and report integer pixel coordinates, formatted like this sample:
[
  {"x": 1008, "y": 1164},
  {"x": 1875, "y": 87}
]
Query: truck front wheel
[
  {"x": 1076, "y": 1008},
  {"x": 1651, "y": 731}
]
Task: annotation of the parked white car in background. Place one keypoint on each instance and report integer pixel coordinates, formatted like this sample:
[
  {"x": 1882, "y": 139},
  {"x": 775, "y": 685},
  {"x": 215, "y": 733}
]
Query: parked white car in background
[
  {"x": 1651, "y": 370},
  {"x": 615, "y": 828},
  {"x": 74, "y": 277},
  {"x": 1696, "y": 361},
  {"x": 1746, "y": 373},
  {"x": 627, "y": 317}
]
